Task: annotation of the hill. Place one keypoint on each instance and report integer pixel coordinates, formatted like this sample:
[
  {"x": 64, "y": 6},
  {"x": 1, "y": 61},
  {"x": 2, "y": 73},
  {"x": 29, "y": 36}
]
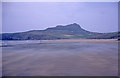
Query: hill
[{"x": 70, "y": 31}]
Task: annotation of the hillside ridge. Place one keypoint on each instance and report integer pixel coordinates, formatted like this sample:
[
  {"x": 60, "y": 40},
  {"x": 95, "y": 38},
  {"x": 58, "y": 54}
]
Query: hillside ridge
[{"x": 70, "y": 31}]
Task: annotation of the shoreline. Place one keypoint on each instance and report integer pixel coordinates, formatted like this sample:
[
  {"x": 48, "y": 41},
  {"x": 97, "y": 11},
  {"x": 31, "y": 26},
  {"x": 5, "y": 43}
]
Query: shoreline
[
  {"x": 84, "y": 40},
  {"x": 72, "y": 40}
]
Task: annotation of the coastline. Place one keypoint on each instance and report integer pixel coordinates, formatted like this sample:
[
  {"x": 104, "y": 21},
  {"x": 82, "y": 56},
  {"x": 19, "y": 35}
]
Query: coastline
[{"x": 84, "y": 40}]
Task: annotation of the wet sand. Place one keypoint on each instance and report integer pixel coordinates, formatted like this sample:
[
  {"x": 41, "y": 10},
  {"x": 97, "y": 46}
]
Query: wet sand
[
  {"x": 80, "y": 57},
  {"x": 85, "y": 40}
]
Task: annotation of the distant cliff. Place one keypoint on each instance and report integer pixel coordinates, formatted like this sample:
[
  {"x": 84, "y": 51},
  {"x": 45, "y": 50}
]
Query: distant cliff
[{"x": 70, "y": 31}]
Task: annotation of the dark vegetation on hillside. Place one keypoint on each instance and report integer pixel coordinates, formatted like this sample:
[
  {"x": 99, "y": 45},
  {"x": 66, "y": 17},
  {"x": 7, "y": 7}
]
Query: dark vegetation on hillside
[{"x": 59, "y": 32}]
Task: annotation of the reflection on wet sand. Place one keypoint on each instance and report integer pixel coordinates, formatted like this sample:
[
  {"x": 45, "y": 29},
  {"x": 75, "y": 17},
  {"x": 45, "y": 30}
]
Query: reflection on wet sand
[{"x": 62, "y": 58}]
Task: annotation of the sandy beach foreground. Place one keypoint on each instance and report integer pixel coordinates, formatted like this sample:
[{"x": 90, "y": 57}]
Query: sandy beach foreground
[{"x": 68, "y": 57}]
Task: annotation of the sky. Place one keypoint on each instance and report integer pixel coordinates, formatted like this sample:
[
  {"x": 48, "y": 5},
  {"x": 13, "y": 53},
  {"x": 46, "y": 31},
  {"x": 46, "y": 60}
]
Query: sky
[{"x": 92, "y": 16}]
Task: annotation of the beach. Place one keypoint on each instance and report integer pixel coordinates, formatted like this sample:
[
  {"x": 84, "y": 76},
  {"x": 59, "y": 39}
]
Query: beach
[{"x": 67, "y": 57}]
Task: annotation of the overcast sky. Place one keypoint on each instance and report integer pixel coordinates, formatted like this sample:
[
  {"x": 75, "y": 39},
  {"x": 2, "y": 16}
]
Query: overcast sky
[{"x": 92, "y": 16}]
